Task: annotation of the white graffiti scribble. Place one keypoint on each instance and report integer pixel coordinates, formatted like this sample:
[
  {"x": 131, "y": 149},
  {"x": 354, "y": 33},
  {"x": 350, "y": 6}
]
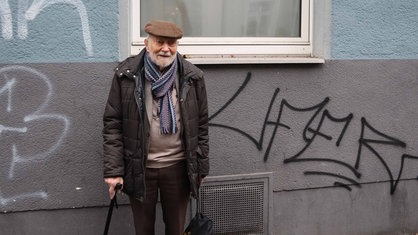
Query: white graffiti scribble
[
  {"x": 10, "y": 200},
  {"x": 15, "y": 129},
  {"x": 37, "y": 115},
  {"x": 6, "y": 20},
  {"x": 28, "y": 13},
  {"x": 8, "y": 87}
]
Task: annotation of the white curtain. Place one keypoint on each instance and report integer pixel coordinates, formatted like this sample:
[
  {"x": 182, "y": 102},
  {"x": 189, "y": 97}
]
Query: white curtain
[{"x": 228, "y": 18}]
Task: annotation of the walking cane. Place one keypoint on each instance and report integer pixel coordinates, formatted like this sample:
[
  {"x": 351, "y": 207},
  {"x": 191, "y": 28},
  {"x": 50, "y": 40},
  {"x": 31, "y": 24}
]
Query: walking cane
[{"x": 113, "y": 203}]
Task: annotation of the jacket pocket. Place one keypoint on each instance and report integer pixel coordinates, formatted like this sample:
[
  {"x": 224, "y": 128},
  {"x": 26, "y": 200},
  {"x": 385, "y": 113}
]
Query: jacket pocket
[
  {"x": 128, "y": 179},
  {"x": 134, "y": 176}
]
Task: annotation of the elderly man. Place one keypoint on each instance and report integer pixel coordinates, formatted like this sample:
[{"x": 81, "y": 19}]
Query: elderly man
[{"x": 155, "y": 135}]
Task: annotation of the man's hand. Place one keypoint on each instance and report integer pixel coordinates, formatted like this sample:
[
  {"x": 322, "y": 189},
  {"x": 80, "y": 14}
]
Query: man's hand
[{"x": 112, "y": 182}]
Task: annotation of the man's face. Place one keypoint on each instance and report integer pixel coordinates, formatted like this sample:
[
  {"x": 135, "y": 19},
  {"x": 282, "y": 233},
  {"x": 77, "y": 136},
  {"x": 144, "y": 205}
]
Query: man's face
[{"x": 162, "y": 50}]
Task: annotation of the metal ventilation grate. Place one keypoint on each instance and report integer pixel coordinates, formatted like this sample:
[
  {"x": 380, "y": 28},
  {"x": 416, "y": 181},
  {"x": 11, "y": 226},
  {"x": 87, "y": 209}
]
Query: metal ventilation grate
[{"x": 238, "y": 204}]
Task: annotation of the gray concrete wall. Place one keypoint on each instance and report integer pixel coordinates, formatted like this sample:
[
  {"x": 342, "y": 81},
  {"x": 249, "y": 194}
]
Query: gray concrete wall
[{"x": 340, "y": 139}]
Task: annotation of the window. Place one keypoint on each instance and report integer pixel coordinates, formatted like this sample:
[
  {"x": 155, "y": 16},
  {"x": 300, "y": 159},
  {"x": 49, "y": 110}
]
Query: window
[{"x": 232, "y": 31}]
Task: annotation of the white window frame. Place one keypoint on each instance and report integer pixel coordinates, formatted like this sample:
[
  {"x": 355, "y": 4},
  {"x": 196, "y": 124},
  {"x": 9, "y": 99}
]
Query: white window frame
[{"x": 225, "y": 50}]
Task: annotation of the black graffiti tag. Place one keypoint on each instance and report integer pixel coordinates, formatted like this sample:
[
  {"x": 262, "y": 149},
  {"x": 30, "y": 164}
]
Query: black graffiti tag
[{"x": 312, "y": 130}]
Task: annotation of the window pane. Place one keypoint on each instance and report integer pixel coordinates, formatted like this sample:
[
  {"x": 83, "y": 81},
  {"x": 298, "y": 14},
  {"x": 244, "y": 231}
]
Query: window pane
[{"x": 227, "y": 18}]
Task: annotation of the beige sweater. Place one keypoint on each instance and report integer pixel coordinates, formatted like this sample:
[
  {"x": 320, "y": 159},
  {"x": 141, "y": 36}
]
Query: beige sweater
[{"x": 164, "y": 150}]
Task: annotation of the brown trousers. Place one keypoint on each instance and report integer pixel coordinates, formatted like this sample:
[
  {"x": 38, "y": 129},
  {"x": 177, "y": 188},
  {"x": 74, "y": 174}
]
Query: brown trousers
[{"x": 174, "y": 188}]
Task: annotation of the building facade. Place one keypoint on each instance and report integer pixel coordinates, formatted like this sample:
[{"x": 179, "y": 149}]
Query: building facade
[{"x": 333, "y": 134}]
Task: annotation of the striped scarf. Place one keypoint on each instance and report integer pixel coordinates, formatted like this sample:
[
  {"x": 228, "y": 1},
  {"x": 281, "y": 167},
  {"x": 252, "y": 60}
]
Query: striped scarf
[{"x": 161, "y": 87}]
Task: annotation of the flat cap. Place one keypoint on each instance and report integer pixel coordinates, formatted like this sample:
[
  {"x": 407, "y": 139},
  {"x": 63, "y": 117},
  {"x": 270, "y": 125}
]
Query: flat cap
[{"x": 163, "y": 29}]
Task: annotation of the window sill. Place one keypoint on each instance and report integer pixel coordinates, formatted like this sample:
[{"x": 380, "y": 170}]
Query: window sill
[
  {"x": 243, "y": 54},
  {"x": 256, "y": 60}
]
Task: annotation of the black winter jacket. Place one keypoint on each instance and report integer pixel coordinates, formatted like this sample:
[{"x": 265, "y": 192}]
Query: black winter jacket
[{"x": 126, "y": 125}]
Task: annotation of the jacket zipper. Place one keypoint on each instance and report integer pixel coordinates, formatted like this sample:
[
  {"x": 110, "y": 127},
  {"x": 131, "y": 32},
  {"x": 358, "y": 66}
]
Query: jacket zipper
[{"x": 141, "y": 108}]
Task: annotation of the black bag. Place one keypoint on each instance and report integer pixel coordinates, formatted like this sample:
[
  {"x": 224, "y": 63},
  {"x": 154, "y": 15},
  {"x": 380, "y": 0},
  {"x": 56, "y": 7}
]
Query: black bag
[{"x": 200, "y": 224}]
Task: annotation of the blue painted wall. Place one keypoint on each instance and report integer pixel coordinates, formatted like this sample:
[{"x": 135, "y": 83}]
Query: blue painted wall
[
  {"x": 374, "y": 29},
  {"x": 55, "y": 32},
  {"x": 75, "y": 31}
]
